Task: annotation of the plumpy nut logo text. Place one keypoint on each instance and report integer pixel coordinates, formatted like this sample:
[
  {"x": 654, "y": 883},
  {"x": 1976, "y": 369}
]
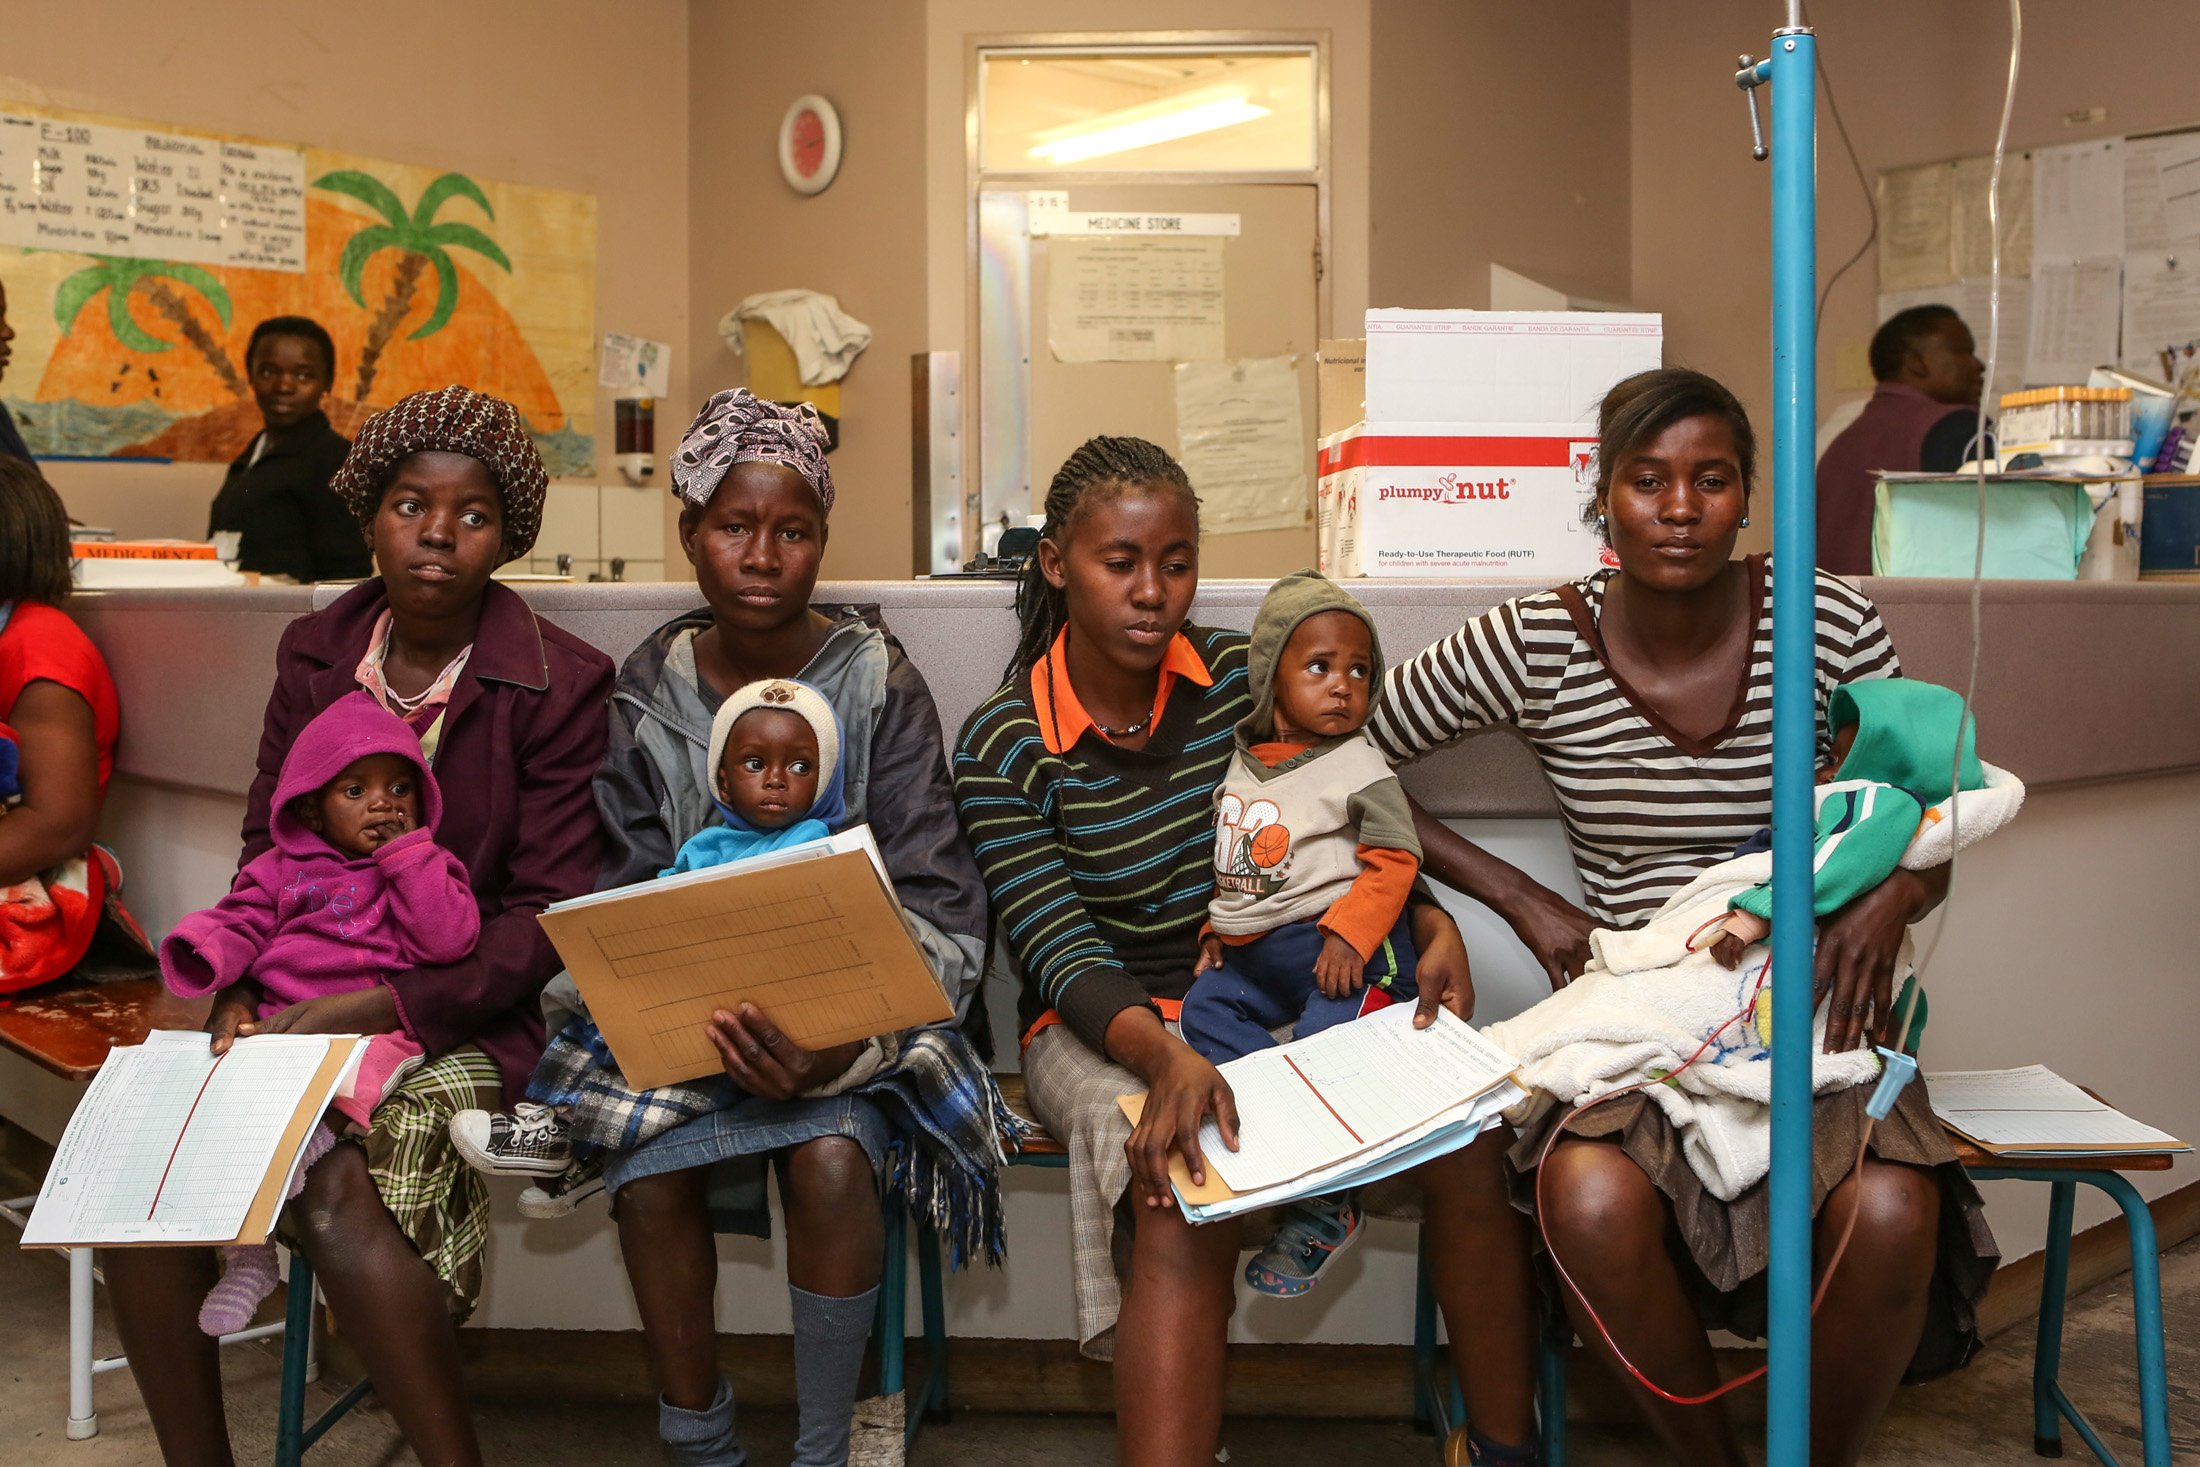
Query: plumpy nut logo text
[{"x": 1451, "y": 489}]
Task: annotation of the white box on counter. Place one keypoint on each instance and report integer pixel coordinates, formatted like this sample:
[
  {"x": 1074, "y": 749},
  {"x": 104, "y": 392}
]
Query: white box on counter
[
  {"x": 1494, "y": 501},
  {"x": 1502, "y": 366}
]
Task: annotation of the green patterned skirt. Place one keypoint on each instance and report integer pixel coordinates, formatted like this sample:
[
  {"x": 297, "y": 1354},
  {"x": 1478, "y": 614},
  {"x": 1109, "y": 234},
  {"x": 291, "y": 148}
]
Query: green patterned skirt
[{"x": 439, "y": 1202}]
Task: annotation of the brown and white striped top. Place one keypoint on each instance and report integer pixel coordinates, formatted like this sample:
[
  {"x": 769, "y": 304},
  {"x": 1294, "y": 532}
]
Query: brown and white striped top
[{"x": 1645, "y": 807}]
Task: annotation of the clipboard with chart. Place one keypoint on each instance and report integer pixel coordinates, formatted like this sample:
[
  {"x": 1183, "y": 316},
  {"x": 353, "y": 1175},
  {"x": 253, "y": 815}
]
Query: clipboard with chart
[
  {"x": 174, "y": 1145},
  {"x": 812, "y": 935}
]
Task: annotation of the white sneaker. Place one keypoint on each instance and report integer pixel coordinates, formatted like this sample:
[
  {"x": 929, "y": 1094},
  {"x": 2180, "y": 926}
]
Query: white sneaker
[
  {"x": 533, "y": 1141},
  {"x": 557, "y": 1196}
]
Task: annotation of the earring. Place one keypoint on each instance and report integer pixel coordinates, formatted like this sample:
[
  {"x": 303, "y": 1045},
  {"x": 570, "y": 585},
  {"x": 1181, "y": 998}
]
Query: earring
[
  {"x": 1600, "y": 525},
  {"x": 1745, "y": 521}
]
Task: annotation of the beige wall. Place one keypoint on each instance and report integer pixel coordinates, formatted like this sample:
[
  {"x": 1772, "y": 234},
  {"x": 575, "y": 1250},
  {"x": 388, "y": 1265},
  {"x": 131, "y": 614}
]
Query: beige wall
[
  {"x": 567, "y": 94},
  {"x": 1915, "y": 83},
  {"x": 861, "y": 240},
  {"x": 1499, "y": 133}
]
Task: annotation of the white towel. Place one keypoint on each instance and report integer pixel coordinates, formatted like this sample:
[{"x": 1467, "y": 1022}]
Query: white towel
[
  {"x": 1645, "y": 1004},
  {"x": 826, "y": 340}
]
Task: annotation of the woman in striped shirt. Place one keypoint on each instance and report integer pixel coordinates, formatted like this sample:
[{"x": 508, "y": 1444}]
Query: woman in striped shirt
[
  {"x": 1646, "y": 695},
  {"x": 1086, "y": 785}
]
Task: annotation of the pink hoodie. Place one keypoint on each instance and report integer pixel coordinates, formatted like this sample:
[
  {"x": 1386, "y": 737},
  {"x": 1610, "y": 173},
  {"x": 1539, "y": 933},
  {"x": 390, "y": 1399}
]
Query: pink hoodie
[{"x": 304, "y": 920}]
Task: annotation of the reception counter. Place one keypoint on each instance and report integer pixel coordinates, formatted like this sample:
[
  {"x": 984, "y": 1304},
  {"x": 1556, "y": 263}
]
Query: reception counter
[{"x": 2069, "y": 939}]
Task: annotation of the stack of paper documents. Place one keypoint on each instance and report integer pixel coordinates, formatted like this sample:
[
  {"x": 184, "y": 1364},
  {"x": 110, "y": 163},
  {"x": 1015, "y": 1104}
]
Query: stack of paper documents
[
  {"x": 172, "y": 1144},
  {"x": 2034, "y": 1111},
  {"x": 1345, "y": 1107}
]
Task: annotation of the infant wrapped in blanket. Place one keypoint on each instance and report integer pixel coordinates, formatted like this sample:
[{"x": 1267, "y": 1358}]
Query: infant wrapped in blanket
[{"x": 1653, "y": 996}]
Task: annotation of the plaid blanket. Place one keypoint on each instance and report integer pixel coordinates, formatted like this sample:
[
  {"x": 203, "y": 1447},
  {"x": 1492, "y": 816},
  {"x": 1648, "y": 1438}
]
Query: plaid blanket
[{"x": 948, "y": 1118}]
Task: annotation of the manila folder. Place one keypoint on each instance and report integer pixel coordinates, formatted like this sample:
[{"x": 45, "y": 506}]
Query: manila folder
[{"x": 817, "y": 944}]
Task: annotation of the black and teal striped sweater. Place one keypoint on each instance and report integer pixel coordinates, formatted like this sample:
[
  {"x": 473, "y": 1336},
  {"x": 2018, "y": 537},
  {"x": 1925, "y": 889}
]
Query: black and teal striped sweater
[{"x": 1099, "y": 861}]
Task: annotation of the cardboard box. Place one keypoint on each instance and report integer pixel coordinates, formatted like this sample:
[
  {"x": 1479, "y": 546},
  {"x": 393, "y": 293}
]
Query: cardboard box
[
  {"x": 1502, "y": 366},
  {"x": 1468, "y": 501}
]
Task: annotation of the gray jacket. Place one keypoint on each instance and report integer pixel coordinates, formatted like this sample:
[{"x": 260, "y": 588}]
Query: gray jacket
[{"x": 654, "y": 792}]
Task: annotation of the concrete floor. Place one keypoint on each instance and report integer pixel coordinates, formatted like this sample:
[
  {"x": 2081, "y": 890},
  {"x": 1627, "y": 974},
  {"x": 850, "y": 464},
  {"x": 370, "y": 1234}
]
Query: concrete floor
[{"x": 1980, "y": 1416}]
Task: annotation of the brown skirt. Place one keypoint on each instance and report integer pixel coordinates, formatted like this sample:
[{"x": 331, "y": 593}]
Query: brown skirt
[{"x": 1723, "y": 1246}]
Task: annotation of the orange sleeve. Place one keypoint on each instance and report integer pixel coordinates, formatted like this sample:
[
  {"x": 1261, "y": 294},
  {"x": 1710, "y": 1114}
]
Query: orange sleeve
[{"x": 1364, "y": 915}]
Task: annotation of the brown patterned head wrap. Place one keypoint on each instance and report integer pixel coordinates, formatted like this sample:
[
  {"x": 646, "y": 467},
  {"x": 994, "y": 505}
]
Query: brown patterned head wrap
[
  {"x": 452, "y": 419},
  {"x": 738, "y": 427}
]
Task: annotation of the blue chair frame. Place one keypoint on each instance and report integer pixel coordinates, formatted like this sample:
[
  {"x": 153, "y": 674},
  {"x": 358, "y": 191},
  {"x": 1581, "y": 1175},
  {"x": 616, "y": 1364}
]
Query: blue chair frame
[
  {"x": 2050, "y": 1406},
  {"x": 1439, "y": 1406}
]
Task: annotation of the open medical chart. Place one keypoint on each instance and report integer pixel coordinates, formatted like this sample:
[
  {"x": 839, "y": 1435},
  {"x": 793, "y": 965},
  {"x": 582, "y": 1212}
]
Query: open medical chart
[
  {"x": 174, "y": 1145},
  {"x": 1310, "y": 1110},
  {"x": 2034, "y": 1110},
  {"x": 812, "y": 935}
]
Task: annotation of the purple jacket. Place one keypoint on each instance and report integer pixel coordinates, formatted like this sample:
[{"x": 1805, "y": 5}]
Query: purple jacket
[
  {"x": 304, "y": 919},
  {"x": 522, "y": 736}
]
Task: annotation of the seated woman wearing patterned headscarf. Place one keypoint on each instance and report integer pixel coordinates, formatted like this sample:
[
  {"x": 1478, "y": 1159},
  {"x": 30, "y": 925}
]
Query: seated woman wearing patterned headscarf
[
  {"x": 914, "y": 1112},
  {"x": 509, "y": 710}
]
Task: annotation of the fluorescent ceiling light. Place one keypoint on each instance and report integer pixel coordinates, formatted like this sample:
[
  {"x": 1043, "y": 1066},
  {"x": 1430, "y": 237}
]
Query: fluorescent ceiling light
[{"x": 1142, "y": 127}]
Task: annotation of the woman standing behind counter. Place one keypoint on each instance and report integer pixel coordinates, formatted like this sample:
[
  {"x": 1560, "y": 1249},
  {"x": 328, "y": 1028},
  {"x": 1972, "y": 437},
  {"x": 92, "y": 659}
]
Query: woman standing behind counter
[{"x": 276, "y": 498}]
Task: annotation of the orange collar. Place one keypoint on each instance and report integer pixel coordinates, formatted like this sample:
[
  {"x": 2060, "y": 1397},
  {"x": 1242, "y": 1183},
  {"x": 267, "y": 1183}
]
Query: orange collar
[{"x": 1063, "y": 720}]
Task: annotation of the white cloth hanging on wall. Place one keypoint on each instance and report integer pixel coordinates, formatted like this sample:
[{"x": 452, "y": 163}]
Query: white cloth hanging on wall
[{"x": 826, "y": 340}]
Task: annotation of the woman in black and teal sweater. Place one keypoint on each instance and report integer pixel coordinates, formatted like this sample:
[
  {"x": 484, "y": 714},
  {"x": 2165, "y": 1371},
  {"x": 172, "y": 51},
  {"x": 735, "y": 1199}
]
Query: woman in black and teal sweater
[{"x": 1086, "y": 786}]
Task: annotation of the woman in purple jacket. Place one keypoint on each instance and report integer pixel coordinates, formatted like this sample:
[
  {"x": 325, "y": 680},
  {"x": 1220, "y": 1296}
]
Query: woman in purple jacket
[{"x": 510, "y": 713}]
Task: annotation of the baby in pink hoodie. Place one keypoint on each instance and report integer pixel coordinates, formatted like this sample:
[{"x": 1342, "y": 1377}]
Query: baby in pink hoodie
[{"x": 354, "y": 888}]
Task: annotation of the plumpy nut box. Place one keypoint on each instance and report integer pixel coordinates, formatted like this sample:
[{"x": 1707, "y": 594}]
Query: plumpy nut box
[{"x": 1487, "y": 501}]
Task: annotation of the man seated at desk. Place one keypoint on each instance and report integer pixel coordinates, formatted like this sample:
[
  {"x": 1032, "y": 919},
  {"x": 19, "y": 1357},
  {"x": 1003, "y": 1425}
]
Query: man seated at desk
[{"x": 1924, "y": 415}]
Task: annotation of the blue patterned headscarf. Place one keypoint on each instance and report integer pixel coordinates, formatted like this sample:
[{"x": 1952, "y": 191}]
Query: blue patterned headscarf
[{"x": 737, "y": 427}]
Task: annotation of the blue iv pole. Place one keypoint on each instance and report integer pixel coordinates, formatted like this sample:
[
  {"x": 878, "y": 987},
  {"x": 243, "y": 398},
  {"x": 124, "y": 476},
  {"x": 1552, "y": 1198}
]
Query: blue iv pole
[{"x": 1791, "y": 70}]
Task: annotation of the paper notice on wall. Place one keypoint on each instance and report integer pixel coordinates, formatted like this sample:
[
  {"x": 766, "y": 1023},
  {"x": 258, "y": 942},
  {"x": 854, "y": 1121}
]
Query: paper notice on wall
[
  {"x": 635, "y": 366},
  {"x": 2161, "y": 308},
  {"x": 2146, "y": 229},
  {"x": 1241, "y": 436},
  {"x": 2177, "y": 169},
  {"x": 1128, "y": 299},
  {"x": 2077, "y": 316},
  {"x": 100, "y": 189},
  {"x": 1914, "y": 226},
  {"x": 2078, "y": 201},
  {"x": 1971, "y": 240}
]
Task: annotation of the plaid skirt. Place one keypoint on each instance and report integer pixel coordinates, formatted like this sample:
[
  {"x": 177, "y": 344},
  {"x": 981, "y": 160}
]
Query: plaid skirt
[
  {"x": 439, "y": 1202},
  {"x": 1073, "y": 1091}
]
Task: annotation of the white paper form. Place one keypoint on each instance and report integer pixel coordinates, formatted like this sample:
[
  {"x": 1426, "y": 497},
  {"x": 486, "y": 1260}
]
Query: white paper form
[
  {"x": 2077, "y": 318},
  {"x": 1242, "y": 439},
  {"x": 2033, "y": 1108},
  {"x": 2161, "y": 307},
  {"x": 1316, "y": 1101},
  {"x": 171, "y": 1144},
  {"x": 2177, "y": 169},
  {"x": 1915, "y": 222},
  {"x": 2078, "y": 202},
  {"x": 1131, "y": 299},
  {"x": 2145, "y": 226}
]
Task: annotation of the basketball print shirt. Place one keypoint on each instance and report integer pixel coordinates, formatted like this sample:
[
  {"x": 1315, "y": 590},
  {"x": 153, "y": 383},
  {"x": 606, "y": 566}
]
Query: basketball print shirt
[{"x": 1287, "y": 837}]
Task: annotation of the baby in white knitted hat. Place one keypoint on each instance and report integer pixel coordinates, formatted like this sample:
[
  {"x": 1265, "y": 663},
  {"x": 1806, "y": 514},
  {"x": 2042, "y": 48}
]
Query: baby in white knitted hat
[{"x": 776, "y": 779}]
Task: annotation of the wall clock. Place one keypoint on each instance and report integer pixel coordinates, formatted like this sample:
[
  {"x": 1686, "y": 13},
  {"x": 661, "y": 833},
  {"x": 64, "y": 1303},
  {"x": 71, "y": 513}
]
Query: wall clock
[{"x": 809, "y": 144}]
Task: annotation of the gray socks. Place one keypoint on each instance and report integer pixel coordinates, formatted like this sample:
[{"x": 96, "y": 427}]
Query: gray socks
[
  {"x": 703, "y": 1438},
  {"x": 829, "y": 1336}
]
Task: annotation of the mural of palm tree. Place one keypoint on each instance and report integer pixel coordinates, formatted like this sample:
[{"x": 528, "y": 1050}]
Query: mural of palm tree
[
  {"x": 122, "y": 278},
  {"x": 423, "y": 244}
]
